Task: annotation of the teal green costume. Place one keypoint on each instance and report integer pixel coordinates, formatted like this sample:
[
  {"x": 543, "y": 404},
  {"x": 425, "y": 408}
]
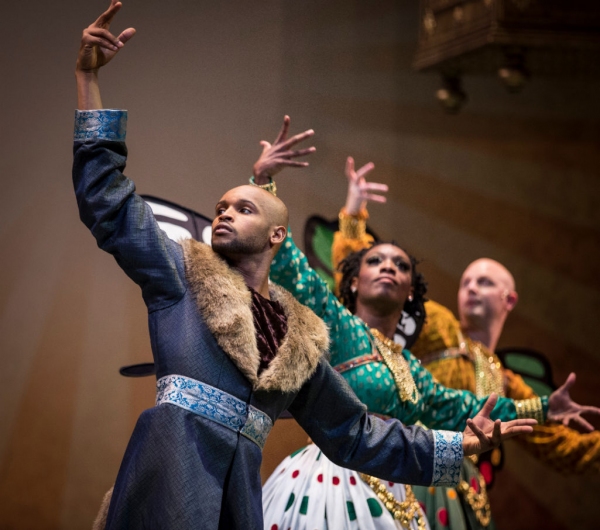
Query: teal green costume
[{"x": 437, "y": 407}]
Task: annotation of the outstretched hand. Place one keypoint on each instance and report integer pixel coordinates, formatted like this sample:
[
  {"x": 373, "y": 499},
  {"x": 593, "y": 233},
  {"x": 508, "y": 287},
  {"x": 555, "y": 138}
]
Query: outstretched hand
[
  {"x": 98, "y": 44},
  {"x": 563, "y": 409},
  {"x": 278, "y": 155},
  {"x": 359, "y": 190},
  {"x": 483, "y": 433}
]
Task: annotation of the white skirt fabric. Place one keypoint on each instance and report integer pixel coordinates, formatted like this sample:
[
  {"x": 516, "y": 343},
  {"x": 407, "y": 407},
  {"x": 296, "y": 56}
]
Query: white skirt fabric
[{"x": 308, "y": 492}]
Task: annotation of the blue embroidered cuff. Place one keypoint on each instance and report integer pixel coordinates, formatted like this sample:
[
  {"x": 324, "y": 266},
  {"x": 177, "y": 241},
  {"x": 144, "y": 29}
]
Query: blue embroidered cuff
[
  {"x": 103, "y": 124},
  {"x": 448, "y": 456}
]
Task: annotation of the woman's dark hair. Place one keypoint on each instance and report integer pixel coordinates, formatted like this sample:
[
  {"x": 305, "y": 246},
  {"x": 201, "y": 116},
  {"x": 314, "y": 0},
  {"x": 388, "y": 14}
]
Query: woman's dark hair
[{"x": 350, "y": 267}]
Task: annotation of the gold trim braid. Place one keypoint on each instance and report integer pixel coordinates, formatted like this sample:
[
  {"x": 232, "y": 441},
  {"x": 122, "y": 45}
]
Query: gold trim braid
[
  {"x": 403, "y": 512},
  {"x": 398, "y": 365},
  {"x": 530, "y": 408},
  {"x": 353, "y": 226}
]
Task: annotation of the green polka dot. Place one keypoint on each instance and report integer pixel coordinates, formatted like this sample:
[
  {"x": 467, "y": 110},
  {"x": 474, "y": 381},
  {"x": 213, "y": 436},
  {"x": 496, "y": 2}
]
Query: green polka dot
[
  {"x": 304, "y": 506},
  {"x": 351, "y": 510},
  {"x": 290, "y": 502},
  {"x": 374, "y": 507}
]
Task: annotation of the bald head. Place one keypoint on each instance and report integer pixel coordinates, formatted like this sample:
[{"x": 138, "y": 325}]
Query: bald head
[
  {"x": 494, "y": 269},
  {"x": 274, "y": 209},
  {"x": 485, "y": 296}
]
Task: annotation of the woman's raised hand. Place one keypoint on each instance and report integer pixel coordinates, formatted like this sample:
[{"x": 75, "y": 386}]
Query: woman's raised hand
[{"x": 359, "y": 190}]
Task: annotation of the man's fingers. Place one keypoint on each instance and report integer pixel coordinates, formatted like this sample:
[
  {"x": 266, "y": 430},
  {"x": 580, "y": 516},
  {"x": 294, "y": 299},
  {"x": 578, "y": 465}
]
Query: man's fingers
[
  {"x": 516, "y": 427},
  {"x": 102, "y": 34},
  {"x": 489, "y": 405},
  {"x": 568, "y": 383},
  {"x": 497, "y": 433},
  {"x": 297, "y": 138},
  {"x": 299, "y": 152},
  {"x": 97, "y": 41},
  {"x": 479, "y": 433},
  {"x": 283, "y": 131},
  {"x": 290, "y": 163},
  {"x": 583, "y": 423},
  {"x": 588, "y": 409},
  {"x": 126, "y": 34},
  {"x": 105, "y": 18}
]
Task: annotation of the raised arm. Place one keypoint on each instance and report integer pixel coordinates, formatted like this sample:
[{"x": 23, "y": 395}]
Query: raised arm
[
  {"x": 388, "y": 449},
  {"x": 121, "y": 222}
]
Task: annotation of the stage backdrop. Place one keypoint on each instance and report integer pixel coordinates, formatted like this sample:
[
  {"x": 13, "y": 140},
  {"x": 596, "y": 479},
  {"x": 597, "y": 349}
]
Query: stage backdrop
[{"x": 512, "y": 177}]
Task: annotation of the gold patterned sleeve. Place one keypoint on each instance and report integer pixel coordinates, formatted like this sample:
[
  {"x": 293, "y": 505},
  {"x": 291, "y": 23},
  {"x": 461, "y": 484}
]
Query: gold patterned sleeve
[
  {"x": 351, "y": 237},
  {"x": 558, "y": 446}
]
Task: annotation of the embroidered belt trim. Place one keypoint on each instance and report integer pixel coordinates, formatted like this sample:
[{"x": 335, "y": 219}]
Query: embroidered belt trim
[
  {"x": 448, "y": 353},
  {"x": 358, "y": 361},
  {"x": 216, "y": 405}
]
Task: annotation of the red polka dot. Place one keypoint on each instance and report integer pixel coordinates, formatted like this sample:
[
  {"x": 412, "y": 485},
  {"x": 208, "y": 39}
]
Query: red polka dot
[
  {"x": 475, "y": 484},
  {"x": 442, "y": 515},
  {"x": 295, "y": 473},
  {"x": 487, "y": 471},
  {"x": 422, "y": 505},
  {"x": 390, "y": 484},
  {"x": 335, "y": 480},
  {"x": 274, "y": 527},
  {"x": 353, "y": 481},
  {"x": 320, "y": 477}
]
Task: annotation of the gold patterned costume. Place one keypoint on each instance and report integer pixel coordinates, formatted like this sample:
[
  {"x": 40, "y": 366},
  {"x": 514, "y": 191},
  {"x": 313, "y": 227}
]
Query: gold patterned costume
[
  {"x": 453, "y": 360},
  {"x": 458, "y": 362}
]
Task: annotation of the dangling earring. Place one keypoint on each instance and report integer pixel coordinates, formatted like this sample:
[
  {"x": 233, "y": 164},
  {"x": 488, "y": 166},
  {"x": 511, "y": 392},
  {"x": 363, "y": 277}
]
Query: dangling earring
[
  {"x": 410, "y": 297},
  {"x": 353, "y": 289}
]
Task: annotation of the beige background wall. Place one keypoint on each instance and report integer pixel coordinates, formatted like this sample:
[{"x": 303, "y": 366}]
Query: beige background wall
[{"x": 511, "y": 177}]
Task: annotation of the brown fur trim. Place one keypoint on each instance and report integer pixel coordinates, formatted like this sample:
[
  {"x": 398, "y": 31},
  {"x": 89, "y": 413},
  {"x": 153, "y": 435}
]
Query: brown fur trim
[
  {"x": 100, "y": 522},
  {"x": 225, "y": 304}
]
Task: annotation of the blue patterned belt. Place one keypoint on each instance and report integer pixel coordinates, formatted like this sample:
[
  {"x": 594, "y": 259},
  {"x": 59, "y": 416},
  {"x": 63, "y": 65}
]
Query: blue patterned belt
[{"x": 215, "y": 405}]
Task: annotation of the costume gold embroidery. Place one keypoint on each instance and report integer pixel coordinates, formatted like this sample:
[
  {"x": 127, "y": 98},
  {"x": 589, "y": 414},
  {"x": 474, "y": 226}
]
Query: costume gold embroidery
[
  {"x": 353, "y": 226},
  {"x": 488, "y": 371},
  {"x": 403, "y": 512},
  {"x": 398, "y": 365},
  {"x": 530, "y": 408},
  {"x": 478, "y": 502}
]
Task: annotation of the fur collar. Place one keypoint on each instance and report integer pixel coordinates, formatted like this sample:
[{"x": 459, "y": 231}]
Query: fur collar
[{"x": 225, "y": 304}]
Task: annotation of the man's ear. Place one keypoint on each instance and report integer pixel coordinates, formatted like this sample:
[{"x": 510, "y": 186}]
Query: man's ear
[
  {"x": 278, "y": 235},
  {"x": 511, "y": 300}
]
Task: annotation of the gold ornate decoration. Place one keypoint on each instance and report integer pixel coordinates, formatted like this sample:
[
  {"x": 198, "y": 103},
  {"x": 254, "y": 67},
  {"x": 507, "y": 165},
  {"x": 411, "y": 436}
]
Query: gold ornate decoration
[
  {"x": 530, "y": 408},
  {"x": 271, "y": 187},
  {"x": 398, "y": 365},
  {"x": 478, "y": 502},
  {"x": 488, "y": 371},
  {"x": 353, "y": 226},
  {"x": 403, "y": 512}
]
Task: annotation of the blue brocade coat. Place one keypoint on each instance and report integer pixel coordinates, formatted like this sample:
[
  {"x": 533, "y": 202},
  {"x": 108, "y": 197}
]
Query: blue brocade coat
[{"x": 182, "y": 470}]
